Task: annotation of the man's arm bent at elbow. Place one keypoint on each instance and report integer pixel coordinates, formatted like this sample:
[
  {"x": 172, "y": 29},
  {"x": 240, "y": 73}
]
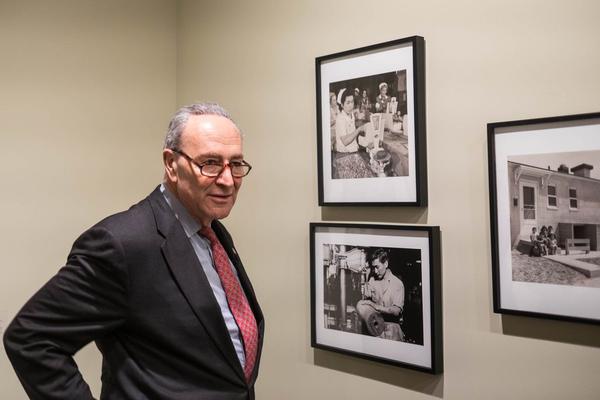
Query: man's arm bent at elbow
[{"x": 84, "y": 300}]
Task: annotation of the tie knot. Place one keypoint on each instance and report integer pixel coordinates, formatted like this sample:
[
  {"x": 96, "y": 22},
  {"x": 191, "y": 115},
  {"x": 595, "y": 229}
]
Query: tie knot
[{"x": 208, "y": 233}]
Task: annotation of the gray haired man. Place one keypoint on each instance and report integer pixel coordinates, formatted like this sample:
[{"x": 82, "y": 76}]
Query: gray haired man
[{"x": 160, "y": 287}]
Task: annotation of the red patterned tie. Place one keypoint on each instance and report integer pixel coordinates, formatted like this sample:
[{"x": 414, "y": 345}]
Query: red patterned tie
[{"x": 238, "y": 304}]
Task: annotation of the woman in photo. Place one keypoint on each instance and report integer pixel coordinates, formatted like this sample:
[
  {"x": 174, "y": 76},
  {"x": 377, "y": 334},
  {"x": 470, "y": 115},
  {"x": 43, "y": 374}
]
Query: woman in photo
[
  {"x": 536, "y": 246},
  {"x": 347, "y": 161},
  {"x": 365, "y": 104},
  {"x": 333, "y": 109},
  {"x": 543, "y": 240},
  {"x": 346, "y": 132},
  {"x": 382, "y": 99},
  {"x": 552, "y": 243}
]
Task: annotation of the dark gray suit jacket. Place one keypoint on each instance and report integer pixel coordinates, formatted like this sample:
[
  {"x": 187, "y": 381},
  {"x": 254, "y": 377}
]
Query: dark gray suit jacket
[{"x": 134, "y": 285}]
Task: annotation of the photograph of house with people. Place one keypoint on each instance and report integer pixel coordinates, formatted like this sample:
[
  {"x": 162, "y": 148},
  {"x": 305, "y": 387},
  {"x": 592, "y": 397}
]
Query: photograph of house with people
[{"x": 555, "y": 217}]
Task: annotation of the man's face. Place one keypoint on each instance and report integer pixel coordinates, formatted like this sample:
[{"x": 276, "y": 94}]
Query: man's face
[
  {"x": 380, "y": 267},
  {"x": 205, "y": 138}
]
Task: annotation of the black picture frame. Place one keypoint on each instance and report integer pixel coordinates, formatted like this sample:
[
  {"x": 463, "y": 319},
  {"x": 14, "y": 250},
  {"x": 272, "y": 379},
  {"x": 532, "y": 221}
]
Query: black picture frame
[
  {"x": 541, "y": 175},
  {"x": 386, "y": 165},
  {"x": 342, "y": 272}
]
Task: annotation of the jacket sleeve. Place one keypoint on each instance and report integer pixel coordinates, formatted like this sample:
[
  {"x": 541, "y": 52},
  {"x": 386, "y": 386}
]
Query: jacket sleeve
[{"x": 86, "y": 299}]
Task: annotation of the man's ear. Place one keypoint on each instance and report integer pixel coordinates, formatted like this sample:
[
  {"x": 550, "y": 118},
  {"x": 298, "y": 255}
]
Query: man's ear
[{"x": 170, "y": 164}]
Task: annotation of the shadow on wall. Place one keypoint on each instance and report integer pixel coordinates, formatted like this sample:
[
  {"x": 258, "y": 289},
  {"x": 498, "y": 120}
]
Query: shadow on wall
[
  {"x": 392, "y": 375},
  {"x": 555, "y": 331},
  {"x": 400, "y": 215}
]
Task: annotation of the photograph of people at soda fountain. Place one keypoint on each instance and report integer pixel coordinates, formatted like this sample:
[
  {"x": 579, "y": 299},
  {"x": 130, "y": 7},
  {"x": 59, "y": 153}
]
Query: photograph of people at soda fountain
[{"x": 369, "y": 125}]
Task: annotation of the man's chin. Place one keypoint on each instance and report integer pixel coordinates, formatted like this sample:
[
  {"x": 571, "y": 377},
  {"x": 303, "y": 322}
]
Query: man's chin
[{"x": 221, "y": 212}]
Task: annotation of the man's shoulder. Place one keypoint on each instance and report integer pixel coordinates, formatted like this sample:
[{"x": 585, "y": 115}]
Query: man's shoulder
[
  {"x": 394, "y": 280},
  {"x": 133, "y": 223}
]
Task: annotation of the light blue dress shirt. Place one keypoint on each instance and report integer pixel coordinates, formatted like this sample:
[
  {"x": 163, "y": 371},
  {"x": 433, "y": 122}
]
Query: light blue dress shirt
[{"x": 201, "y": 247}]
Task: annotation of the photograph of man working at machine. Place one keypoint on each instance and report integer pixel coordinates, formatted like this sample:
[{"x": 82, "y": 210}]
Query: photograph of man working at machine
[{"x": 374, "y": 291}]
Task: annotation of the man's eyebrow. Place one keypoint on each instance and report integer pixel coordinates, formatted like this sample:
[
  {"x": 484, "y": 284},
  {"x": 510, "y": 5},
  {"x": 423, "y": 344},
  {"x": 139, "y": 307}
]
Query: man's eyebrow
[{"x": 218, "y": 156}]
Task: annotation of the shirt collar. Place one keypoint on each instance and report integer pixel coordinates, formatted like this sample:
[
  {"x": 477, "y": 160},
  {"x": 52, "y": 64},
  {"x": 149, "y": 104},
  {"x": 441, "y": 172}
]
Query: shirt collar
[
  {"x": 189, "y": 224},
  {"x": 346, "y": 116},
  {"x": 387, "y": 276}
]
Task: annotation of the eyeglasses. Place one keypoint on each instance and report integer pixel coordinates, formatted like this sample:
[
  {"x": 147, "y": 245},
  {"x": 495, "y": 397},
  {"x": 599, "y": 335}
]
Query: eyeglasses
[{"x": 212, "y": 169}]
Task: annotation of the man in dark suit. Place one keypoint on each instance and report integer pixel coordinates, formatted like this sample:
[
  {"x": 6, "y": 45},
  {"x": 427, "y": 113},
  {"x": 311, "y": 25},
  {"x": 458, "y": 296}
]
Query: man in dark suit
[{"x": 159, "y": 288}]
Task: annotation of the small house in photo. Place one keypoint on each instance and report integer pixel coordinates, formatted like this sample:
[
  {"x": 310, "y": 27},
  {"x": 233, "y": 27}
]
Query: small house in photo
[{"x": 568, "y": 199}]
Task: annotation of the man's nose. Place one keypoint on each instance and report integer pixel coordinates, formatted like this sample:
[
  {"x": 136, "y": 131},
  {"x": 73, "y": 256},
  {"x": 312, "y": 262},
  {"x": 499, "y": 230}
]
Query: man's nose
[{"x": 225, "y": 178}]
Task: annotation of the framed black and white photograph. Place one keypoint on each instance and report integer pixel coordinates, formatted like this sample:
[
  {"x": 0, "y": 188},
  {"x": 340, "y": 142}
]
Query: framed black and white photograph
[
  {"x": 545, "y": 217},
  {"x": 371, "y": 140},
  {"x": 376, "y": 293}
]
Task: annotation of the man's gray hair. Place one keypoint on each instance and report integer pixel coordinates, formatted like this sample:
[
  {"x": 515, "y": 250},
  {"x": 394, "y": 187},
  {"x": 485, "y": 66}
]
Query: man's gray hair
[{"x": 181, "y": 116}]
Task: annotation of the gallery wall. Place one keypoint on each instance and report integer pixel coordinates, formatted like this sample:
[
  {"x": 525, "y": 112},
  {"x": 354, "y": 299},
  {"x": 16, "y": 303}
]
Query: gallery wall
[
  {"x": 86, "y": 89},
  {"x": 485, "y": 62}
]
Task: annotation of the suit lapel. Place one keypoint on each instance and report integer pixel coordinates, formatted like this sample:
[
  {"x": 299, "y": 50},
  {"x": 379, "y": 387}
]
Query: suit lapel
[{"x": 189, "y": 275}]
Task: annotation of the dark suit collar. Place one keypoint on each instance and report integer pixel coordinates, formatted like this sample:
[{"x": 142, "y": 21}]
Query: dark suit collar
[
  {"x": 189, "y": 223},
  {"x": 163, "y": 215},
  {"x": 187, "y": 271}
]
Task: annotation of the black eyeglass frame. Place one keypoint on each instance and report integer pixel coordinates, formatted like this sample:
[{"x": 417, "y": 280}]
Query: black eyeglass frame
[{"x": 201, "y": 166}]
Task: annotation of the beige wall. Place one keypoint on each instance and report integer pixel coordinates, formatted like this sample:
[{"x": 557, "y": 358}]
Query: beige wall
[
  {"x": 86, "y": 89},
  {"x": 486, "y": 61}
]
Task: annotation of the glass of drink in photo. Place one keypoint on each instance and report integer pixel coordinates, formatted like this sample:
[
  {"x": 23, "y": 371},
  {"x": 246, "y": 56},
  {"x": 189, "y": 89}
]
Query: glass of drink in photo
[{"x": 376, "y": 124}]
